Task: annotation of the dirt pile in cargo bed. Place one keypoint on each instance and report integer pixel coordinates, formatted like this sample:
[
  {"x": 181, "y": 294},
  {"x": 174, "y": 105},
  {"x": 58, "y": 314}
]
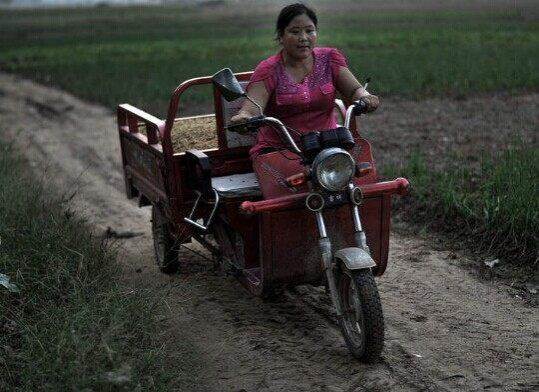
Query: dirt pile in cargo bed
[{"x": 447, "y": 330}]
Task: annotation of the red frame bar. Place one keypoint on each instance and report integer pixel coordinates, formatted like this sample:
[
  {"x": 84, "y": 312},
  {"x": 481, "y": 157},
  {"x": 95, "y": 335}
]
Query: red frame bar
[
  {"x": 399, "y": 186},
  {"x": 129, "y": 118}
]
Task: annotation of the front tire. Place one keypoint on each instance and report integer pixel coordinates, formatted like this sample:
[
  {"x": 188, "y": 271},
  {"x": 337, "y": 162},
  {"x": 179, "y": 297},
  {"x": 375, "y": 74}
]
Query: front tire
[
  {"x": 164, "y": 244},
  {"x": 362, "y": 323}
]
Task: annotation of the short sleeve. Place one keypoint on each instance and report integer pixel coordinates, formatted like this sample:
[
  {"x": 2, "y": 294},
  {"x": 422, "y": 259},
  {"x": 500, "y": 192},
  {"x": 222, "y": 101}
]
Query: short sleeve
[
  {"x": 337, "y": 61},
  {"x": 263, "y": 72}
]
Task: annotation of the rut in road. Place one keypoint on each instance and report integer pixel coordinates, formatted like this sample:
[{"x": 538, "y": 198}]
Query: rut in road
[{"x": 446, "y": 330}]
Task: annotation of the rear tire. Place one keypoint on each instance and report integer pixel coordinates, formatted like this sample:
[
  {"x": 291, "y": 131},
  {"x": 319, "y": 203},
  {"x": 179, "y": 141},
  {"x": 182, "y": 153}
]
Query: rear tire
[
  {"x": 164, "y": 244},
  {"x": 362, "y": 323}
]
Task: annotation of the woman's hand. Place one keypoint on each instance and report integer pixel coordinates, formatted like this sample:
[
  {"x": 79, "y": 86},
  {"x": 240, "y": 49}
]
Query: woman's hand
[
  {"x": 352, "y": 90},
  {"x": 371, "y": 102},
  {"x": 240, "y": 118}
]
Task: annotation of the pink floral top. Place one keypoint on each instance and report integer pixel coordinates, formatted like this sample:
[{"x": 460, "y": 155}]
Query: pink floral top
[{"x": 305, "y": 106}]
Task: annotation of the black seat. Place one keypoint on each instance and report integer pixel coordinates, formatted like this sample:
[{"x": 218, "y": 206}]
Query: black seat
[{"x": 236, "y": 185}]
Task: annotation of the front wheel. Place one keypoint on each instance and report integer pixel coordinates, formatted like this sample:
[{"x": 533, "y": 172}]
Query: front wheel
[
  {"x": 164, "y": 244},
  {"x": 362, "y": 322}
]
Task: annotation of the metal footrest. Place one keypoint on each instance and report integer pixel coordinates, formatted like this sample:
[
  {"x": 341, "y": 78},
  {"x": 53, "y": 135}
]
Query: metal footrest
[{"x": 189, "y": 220}]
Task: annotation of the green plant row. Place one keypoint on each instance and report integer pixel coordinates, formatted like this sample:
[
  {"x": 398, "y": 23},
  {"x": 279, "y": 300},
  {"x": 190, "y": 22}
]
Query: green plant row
[
  {"x": 496, "y": 205},
  {"x": 138, "y": 55},
  {"x": 66, "y": 323}
]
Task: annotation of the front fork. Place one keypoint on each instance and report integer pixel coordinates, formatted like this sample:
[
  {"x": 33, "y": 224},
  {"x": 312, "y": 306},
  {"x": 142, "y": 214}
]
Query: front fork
[{"x": 324, "y": 244}]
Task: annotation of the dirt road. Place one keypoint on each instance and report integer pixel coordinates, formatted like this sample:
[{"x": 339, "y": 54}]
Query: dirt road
[{"x": 447, "y": 330}]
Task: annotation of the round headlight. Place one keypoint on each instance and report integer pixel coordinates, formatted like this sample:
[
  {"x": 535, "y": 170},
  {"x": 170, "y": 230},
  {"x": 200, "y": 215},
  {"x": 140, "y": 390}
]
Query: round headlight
[{"x": 333, "y": 169}]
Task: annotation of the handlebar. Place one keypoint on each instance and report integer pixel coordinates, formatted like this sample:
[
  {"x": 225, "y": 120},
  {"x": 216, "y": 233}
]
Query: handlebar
[
  {"x": 249, "y": 125},
  {"x": 255, "y": 122},
  {"x": 356, "y": 108}
]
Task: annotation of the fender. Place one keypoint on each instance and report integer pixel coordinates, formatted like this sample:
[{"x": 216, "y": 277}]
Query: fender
[{"x": 355, "y": 258}]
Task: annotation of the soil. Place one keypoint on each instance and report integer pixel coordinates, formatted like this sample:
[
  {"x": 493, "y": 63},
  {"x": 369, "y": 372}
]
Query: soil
[{"x": 447, "y": 329}]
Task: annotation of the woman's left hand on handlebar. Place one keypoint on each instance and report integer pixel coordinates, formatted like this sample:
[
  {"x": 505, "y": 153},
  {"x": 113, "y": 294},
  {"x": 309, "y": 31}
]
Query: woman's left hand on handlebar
[{"x": 371, "y": 102}]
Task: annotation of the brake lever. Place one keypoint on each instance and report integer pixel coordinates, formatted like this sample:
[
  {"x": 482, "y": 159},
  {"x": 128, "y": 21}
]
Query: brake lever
[
  {"x": 368, "y": 80},
  {"x": 360, "y": 106}
]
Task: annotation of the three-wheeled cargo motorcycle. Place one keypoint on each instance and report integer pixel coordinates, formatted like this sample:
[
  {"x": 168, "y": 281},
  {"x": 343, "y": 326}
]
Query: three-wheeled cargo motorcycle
[{"x": 313, "y": 213}]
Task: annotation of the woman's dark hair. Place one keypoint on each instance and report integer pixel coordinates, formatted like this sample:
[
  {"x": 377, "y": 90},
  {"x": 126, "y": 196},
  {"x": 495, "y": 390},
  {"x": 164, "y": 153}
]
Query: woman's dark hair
[{"x": 290, "y": 12}]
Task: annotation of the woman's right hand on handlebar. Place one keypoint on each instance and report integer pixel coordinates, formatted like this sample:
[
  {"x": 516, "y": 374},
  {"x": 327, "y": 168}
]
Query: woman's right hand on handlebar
[{"x": 239, "y": 119}]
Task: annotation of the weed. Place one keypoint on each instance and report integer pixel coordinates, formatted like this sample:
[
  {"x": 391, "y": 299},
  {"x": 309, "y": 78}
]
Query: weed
[
  {"x": 72, "y": 326},
  {"x": 496, "y": 203}
]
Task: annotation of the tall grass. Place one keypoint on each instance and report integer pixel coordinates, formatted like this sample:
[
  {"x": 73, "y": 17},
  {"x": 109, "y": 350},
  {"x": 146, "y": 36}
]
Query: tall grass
[
  {"x": 72, "y": 326},
  {"x": 497, "y": 204}
]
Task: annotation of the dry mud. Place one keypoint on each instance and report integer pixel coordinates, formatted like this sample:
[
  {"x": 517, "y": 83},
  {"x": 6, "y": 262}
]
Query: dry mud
[{"x": 447, "y": 330}]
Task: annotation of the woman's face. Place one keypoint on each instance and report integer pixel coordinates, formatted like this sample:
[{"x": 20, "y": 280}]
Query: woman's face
[{"x": 299, "y": 37}]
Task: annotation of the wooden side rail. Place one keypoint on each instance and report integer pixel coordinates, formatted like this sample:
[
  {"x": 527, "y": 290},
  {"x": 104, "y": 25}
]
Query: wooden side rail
[{"x": 129, "y": 119}]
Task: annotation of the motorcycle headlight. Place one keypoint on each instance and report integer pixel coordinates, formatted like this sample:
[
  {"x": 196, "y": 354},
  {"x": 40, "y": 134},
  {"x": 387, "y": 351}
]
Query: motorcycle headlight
[{"x": 333, "y": 169}]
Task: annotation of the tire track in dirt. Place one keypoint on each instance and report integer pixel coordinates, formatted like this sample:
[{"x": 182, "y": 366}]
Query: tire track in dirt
[{"x": 446, "y": 329}]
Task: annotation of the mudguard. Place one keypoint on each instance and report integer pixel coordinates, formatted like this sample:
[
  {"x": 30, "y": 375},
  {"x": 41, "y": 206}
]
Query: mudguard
[{"x": 355, "y": 258}]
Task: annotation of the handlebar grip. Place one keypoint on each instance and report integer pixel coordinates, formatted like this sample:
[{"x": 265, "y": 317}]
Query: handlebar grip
[
  {"x": 250, "y": 125},
  {"x": 360, "y": 107},
  {"x": 255, "y": 122},
  {"x": 237, "y": 127}
]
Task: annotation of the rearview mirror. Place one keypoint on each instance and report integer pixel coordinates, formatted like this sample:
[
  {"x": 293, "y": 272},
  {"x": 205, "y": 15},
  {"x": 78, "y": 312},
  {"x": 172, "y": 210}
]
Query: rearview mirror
[{"x": 228, "y": 85}]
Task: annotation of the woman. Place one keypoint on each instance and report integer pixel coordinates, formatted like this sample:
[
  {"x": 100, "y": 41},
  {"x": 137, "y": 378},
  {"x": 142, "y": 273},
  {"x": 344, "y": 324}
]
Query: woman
[{"x": 298, "y": 84}]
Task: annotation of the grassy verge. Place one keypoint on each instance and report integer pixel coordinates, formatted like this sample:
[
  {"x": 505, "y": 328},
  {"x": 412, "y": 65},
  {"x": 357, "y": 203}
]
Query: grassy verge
[
  {"x": 138, "y": 55},
  {"x": 495, "y": 205},
  {"x": 72, "y": 326}
]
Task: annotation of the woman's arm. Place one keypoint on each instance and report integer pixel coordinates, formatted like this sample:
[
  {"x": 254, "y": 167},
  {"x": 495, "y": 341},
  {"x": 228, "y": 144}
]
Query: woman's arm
[
  {"x": 259, "y": 94},
  {"x": 352, "y": 90}
]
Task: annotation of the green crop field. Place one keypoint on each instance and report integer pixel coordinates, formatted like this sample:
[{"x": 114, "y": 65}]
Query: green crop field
[{"x": 138, "y": 55}]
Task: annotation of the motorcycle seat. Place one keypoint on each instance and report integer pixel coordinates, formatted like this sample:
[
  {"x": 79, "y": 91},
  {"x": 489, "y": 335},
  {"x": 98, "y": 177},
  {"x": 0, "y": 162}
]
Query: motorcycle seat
[{"x": 236, "y": 186}]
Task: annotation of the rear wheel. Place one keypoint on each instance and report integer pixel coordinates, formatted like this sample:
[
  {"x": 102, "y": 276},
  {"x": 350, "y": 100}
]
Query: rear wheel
[
  {"x": 164, "y": 244},
  {"x": 362, "y": 323}
]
